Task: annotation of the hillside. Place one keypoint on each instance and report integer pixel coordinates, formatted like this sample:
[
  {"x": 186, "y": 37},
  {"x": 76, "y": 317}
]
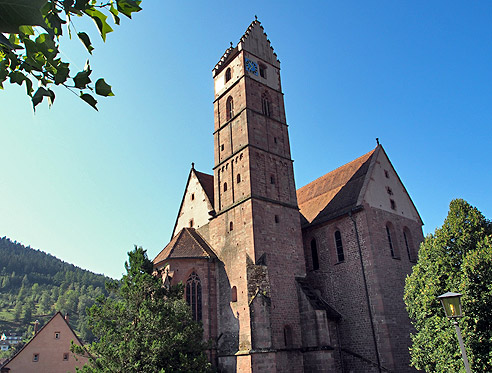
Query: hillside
[{"x": 34, "y": 285}]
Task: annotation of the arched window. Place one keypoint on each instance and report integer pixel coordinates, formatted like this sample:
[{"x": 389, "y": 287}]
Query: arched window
[
  {"x": 391, "y": 243},
  {"x": 265, "y": 105},
  {"x": 288, "y": 336},
  {"x": 225, "y": 187},
  {"x": 194, "y": 296},
  {"x": 314, "y": 254},
  {"x": 229, "y": 108},
  {"x": 228, "y": 74},
  {"x": 339, "y": 245},
  {"x": 234, "y": 294},
  {"x": 238, "y": 178},
  {"x": 409, "y": 245}
]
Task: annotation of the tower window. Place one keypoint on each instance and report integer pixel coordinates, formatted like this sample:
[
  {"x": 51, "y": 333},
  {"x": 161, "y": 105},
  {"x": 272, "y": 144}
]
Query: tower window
[
  {"x": 234, "y": 294},
  {"x": 238, "y": 178},
  {"x": 339, "y": 245},
  {"x": 287, "y": 336},
  {"x": 263, "y": 71},
  {"x": 265, "y": 105},
  {"x": 272, "y": 179},
  {"x": 231, "y": 226},
  {"x": 277, "y": 219},
  {"x": 194, "y": 296},
  {"x": 393, "y": 204},
  {"x": 228, "y": 75},
  {"x": 229, "y": 108},
  {"x": 275, "y": 140},
  {"x": 225, "y": 187},
  {"x": 314, "y": 254}
]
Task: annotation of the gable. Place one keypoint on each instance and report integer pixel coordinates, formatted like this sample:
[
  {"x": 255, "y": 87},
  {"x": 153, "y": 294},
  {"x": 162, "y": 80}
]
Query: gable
[
  {"x": 256, "y": 42},
  {"x": 197, "y": 202},
  {"x": 384, "y": 186}
]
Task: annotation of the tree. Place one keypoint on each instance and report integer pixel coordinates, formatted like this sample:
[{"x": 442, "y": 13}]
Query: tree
[
  {"x": 144, "y": 327},
  {"x": 30, "y": 31},
  {"x": 457, "y": 258}
]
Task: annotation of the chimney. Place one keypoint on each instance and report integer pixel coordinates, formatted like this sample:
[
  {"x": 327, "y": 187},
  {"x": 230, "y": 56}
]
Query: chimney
[
  {"x": 66, "y": 317},
  {"x": 36, "y": 327}
]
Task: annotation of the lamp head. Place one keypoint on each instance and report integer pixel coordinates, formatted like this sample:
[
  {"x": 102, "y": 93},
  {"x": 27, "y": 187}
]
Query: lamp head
[{"x": 451, "y": 303}]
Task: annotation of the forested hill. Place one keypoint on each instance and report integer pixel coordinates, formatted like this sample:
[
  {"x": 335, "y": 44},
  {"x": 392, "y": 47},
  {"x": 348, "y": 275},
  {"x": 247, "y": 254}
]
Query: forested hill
[{"x": 34, "y": 285}]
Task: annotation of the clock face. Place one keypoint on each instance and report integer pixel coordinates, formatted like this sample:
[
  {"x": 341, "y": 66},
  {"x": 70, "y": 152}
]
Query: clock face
[{"x": 251, "y": 66}]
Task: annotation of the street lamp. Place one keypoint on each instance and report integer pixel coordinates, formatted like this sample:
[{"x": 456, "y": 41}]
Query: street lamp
[{"x": 451, "y": 303}]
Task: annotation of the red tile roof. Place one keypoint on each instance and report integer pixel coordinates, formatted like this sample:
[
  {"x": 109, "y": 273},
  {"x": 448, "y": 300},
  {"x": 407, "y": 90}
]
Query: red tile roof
[
  {"x": 188, "y": 243},
  {"x": 335, "y": 193}
]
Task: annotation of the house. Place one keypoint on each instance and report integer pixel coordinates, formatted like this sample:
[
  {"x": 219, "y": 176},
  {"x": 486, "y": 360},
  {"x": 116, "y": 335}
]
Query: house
[
  {"x": 48, "y": 351},
  {"x": 286, "y": 279}
]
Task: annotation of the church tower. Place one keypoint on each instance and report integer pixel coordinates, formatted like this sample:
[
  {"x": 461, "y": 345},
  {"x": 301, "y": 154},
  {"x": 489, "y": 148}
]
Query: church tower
[{"x": 255, "y": 226}]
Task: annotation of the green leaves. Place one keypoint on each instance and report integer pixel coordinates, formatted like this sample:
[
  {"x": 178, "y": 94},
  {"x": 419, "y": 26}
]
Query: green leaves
[
  {"x": 14, "y": 14},
  {"x": 30, "y": 57},
  {"x": 458, "y": 258}
]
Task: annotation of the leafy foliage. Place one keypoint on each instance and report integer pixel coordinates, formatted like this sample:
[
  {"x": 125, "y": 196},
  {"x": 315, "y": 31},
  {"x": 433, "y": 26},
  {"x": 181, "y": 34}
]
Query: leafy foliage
[
  {"x": 457, "y": 258},
  {"x": 34, "y": 285},
  {"x": 145, "y": 327},
  {"x": 28, "y": 55}
]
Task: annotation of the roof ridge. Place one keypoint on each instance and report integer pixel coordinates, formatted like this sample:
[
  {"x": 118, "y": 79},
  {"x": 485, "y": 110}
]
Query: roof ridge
[{"x": 338, "y": 168}]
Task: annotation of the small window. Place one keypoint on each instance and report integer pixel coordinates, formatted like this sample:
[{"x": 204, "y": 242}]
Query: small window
[
  {"x": 277, "y": 219},
  {"x": 390, "y": 242},
  {"x": 222, "y": 148},
  {"x": 275, "y": 140},
  {"x": 265, "y": 106},
  {"x": 263, "y": 71},
  {"x": 225, "y": 187},
  {"x": 231, "y": 226},
  {"x": 238, "y": 178},
  {"x": 386, "y": 174},
  {"x": 393, "y": 204},
  {"x": 314, "y": 254},
  {"x": 389, "y": 191},
  {"x": 228, "y": 74},
  {"x": 65, "y": 356},
  {"x": 272, "y": 179},
  {"x": 339, "y": 245},
  {"x": 234, "y": 294},
  {"x": 229, "y": 108},
  {"x": 288, "y": 336},
  {"x": 192, "y": 196},
  {"x": 57, "y": 335},
  {"x": 191, "y": 223},
  {"x": 35, "y": 358}
]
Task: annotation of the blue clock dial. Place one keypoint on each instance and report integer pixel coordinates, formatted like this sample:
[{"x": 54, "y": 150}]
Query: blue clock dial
[{"x": 251, "y": 66}]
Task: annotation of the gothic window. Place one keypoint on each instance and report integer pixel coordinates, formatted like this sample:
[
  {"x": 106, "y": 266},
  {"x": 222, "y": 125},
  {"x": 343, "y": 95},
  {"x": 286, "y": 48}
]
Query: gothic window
[
  {"x": 228, "y": 74},
  {"x": 288, "y": 336},
  {"x": 225, "y": 187},
  {"x": 339, "y": 245},
  {"x": 314, "y": 254},
  {"x": 238, "y": 177},
  {"x": 234, "y": 294},
  {"x": 229, "y": 108},
  {"x": 265, "y": 105},
  {"x": 408, "y": 244},
  {"x": 391, "y": 243},
  {"x": 194, "y": 296}
]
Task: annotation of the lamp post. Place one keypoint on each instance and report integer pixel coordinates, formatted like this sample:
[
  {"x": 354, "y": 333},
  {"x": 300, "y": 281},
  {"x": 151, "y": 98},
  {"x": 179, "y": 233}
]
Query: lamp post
[{"x": 451, "y": 303}]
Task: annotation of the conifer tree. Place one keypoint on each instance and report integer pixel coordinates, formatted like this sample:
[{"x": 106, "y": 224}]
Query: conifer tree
[
  {"x": 456, "y": 258},
  {"x": 144, "y": 327}
]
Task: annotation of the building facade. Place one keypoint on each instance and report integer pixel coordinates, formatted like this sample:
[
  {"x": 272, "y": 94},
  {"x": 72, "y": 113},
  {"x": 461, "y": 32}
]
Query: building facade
[{"x": 287, "y": 280}]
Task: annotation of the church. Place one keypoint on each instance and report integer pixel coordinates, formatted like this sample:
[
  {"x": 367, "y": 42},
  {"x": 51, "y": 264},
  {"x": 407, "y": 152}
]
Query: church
[{"x": 286, "y": 279}]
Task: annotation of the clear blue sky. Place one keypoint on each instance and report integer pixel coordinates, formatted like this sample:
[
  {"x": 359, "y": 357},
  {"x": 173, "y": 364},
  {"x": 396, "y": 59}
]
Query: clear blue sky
[{"x": 86, "y": 186}]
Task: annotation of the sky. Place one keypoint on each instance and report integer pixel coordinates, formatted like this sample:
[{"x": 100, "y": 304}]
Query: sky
[{"x": 87, "y": 186}]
